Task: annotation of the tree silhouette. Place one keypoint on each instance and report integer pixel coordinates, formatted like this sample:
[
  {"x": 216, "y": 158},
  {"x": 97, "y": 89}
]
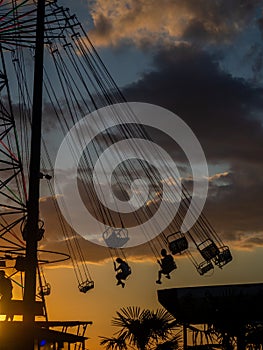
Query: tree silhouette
[{"x": 143, "y": 330}]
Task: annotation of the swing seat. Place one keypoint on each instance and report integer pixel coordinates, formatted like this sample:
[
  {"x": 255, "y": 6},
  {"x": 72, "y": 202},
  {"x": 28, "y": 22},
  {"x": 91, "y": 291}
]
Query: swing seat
[
  {"x": 208, "y": 249},
  {"x": 84, "y": 287},
  {"x": 20, "y": 264},
  {"x": 124, "y": 274},
  {"x": 223, "y": 257},
  {"x": 128, "y": 273},
  {"x": 177, "y": 245},
  {"x": 205, "y": 267},
  {"x": 117, "y": 238},
  {"x": 168, "y": 268},
  {"x": 45, "y": 290}
]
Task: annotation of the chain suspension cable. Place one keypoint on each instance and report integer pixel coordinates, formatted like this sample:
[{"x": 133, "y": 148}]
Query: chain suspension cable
[
  {"x": 201, "y": 231},
  {"x": 86, "y": 86}
]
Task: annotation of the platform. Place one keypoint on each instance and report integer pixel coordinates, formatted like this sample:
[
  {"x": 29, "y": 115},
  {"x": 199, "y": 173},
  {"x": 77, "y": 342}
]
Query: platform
[
  {"x": 13, "y": 332},
  {"x": 16, "y": 307}
]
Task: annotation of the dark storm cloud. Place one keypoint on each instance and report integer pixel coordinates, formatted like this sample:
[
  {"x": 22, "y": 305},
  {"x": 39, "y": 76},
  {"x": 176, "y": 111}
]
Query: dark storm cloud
[
  {"x": 224, "y": 112},
  {"x": 218, "y": 21},
  {"x": 220, "y": 108},
  {"x": 236, "y": 205}
]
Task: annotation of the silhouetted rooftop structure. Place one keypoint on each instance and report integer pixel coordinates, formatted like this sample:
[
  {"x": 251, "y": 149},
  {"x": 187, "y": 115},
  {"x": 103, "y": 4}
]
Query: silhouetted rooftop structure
[{"x": 210, "y": 304}]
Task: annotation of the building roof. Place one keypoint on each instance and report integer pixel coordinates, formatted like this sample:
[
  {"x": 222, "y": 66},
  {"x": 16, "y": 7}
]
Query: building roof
[{"x": 210, "y": 304}]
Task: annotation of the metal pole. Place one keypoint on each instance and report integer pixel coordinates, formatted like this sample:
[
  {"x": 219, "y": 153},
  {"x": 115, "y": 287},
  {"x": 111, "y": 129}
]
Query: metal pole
[{"x": 31, "y": 230}]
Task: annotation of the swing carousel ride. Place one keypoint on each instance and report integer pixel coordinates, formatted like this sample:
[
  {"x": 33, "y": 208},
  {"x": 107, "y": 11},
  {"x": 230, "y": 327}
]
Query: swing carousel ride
[{"x": 75, "y": 82}]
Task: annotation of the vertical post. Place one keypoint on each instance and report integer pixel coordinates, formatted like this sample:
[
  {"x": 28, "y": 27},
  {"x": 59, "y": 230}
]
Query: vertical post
[
  {"x": 184, "y": 336},
  {"x": 31, "y": 230},
  {"x": 241, "y": 339}
]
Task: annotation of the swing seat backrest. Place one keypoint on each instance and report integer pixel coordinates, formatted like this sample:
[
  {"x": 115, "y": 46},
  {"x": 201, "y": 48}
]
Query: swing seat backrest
[
  {"x": 127, "y": 273},
  {"x": 168, "y": 269},
  {"x": 115, "y": 238},
  {"x": 178, "y": 245},
  {"x": 20, "y": 264},
  {"x": 84, "y": 287},
  {"x": 208, "y": 249},
  {"x": 205, "y": 267},
  {"x": 46, "y": 289},
  {"x": 223, "y": 257},
  {"x": 114, "y": 241}
]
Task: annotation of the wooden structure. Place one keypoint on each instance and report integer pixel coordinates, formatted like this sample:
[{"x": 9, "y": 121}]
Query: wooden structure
[{"x": 13, "y": 335}]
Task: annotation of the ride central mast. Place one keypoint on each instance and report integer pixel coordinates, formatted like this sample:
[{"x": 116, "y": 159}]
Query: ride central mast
[{"x": 31, "y": 231}]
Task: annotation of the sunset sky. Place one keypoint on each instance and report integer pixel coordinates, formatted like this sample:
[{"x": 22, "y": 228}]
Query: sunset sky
[{"x": 203, "y": 60}]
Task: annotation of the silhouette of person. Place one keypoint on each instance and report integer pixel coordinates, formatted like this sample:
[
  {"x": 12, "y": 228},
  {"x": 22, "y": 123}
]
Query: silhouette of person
[
  {"x": 6, "y": 292},
  {"x": 167, "y": 264},
  {"x": 124, "y": 271}
]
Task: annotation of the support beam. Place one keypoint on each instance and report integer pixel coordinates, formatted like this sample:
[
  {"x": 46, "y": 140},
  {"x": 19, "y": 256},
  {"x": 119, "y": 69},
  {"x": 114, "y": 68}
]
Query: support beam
[{"x": 184, "y": 337}]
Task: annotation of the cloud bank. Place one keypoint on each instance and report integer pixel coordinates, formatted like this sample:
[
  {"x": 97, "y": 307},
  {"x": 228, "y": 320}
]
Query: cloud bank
[{"x": 148, "y": 22}]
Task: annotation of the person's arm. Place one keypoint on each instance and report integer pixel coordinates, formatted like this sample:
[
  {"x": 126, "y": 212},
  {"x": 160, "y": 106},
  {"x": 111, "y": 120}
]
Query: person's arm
[{"x": 115, "y": 267}]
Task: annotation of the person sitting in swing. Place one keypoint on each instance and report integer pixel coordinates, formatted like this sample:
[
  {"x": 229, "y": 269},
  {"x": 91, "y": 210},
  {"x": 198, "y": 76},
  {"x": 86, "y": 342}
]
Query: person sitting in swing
[
  {"x": 167, "y": 264},
  {"x": 124, "y": 271}
]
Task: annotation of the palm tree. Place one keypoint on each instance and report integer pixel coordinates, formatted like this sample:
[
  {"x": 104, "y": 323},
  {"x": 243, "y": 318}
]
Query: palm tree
[
  {"x": 142, "y": 330},
  {"x": 114, "y": 343}
]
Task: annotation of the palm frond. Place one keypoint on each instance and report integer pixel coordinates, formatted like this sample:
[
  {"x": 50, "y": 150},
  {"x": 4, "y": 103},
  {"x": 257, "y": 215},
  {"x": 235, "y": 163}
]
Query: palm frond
[
  {"x": 172, "y": 344},
  {"x": 114, "y": 343}
]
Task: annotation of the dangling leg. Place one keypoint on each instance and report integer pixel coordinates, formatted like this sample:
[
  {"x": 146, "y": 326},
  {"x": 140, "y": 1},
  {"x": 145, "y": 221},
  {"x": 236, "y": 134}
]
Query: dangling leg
[
  {"x": 120, "y": 283},
  {"x": 159, "y": 277},
  {"x": 118, "y": 278}
]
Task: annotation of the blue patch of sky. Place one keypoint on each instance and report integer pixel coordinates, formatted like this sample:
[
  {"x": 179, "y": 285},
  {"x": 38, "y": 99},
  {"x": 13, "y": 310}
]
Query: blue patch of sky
[
  {"x": 126, "y": 64},
  {"x": 81, "y": 9}
]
